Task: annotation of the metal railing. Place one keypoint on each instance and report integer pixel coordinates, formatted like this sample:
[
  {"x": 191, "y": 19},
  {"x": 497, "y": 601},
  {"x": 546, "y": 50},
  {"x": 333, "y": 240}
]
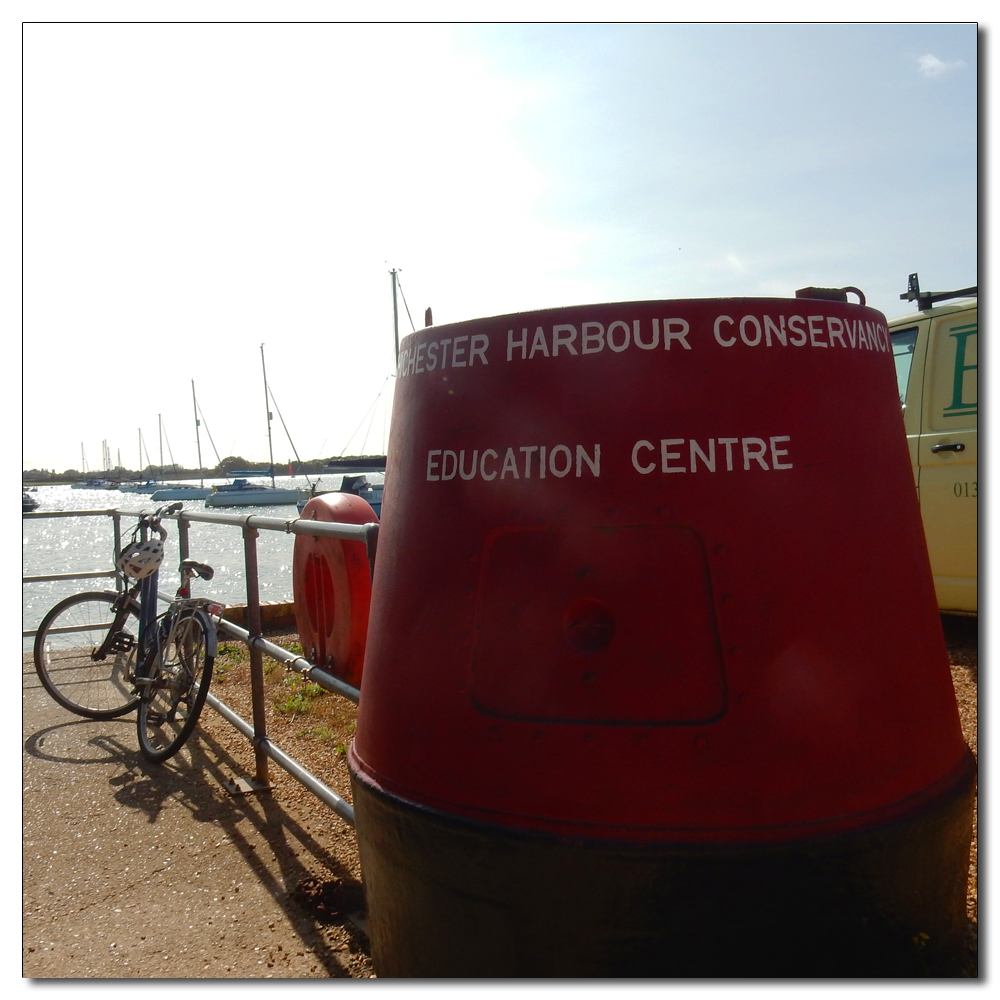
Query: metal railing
[
  {"x": 116, "y": 517},
  {"x": 251, "y": 525}
]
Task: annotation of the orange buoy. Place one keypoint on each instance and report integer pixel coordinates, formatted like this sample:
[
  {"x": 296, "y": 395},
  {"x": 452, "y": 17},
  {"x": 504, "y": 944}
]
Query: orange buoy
[{"x": 331, "y": 579}]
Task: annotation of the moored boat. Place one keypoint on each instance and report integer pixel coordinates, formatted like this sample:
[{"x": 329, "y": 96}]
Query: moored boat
[
  {"x": 95, "y": 484},
  {"x": 359, "y": 486},
  {"x": 150, "y": 486},
  {"x": 181, "y": 492},
  {"x": 356, "y": 463},
  {"x": 241, "y": 493}
]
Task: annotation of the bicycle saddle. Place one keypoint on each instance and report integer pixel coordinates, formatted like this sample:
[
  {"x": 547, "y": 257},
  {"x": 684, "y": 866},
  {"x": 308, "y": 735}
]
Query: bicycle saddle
[{"x": 199, "y": 569}]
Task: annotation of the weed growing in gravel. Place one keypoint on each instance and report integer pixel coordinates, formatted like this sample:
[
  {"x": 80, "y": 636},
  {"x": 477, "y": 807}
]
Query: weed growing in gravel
[
  {"x": 323, "y": 732},
  {"x": 235, "y": 651},
  {"x": 297, "y": 696}
]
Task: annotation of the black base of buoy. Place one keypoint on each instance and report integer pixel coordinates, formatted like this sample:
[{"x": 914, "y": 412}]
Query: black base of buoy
[{"x": 448, "y": 897}]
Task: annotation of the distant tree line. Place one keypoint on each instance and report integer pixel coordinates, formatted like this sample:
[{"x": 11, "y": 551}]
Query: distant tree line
[{"x": 120, "y": 474}]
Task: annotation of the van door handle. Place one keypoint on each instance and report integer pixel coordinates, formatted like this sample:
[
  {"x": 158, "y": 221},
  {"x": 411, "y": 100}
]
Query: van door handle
[{"x": 948, "y": 447}]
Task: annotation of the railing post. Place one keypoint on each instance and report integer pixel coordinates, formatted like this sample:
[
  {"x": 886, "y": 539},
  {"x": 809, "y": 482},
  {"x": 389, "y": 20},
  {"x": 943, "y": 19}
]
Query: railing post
[
  {"x": 183, "y": 528},
  {"x": 256, "y": 657},
  {"x": 371, "y": 546},
  {"x": 117, "y": 522}
]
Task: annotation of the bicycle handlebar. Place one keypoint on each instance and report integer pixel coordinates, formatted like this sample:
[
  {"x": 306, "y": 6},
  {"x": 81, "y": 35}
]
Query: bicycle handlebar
[{"x": 153, "y": 520}]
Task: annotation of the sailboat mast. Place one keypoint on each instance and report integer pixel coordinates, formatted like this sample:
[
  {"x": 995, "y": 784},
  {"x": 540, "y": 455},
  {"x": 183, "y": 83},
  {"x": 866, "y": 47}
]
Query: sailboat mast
[
  {"x": 159, "y": 420},
  {"x": 197, "y": 436},
  {"x": 395, "y": 314},
  {"x": 267, "y": 410}
]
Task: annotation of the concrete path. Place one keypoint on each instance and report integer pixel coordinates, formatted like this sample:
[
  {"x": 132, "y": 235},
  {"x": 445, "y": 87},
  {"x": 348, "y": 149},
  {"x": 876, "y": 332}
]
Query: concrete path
[{"x": 136, "y": 870}]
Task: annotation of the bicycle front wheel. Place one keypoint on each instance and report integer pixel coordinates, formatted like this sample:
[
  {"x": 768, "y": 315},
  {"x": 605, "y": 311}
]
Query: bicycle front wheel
[
  {"x": 65, "y": 654},
  {"x": 172, "y": 698}
]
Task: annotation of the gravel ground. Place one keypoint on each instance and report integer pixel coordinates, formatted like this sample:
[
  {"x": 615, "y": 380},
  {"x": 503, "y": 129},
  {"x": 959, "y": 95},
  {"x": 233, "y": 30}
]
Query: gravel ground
[
  {"x": 962, "y": 638},
  {"x": 136, "y": 870},
  {"x": 259, "y": 886}
]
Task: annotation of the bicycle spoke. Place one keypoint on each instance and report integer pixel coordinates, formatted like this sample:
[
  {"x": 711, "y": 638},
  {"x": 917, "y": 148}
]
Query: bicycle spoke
[{"x": 67, "y": 660}]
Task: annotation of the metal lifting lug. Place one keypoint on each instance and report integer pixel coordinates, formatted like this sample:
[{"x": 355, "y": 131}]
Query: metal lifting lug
[{"x": 830, "y": 294}]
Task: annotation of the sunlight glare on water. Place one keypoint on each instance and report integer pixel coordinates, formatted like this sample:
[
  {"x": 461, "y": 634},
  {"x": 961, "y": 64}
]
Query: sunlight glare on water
[{"x": 86, "y": 544}]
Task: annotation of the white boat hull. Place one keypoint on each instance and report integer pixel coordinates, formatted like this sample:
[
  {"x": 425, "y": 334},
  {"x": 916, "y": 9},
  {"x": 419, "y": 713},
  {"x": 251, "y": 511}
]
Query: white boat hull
[
  {"x": 182, "y": 493},
  {"x": 152, "y": 487},
  {"x": 262, "y": 497}
]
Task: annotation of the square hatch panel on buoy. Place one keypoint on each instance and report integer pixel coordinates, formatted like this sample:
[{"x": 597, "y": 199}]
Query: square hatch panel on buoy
[{"x": 608, "y": 625}]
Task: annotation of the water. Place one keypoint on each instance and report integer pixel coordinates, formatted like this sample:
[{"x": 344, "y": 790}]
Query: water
[{"x": 86, "y": 544}]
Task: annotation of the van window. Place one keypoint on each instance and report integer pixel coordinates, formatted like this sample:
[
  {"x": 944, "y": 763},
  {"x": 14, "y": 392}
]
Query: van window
[{"x": 903, "y": 343}]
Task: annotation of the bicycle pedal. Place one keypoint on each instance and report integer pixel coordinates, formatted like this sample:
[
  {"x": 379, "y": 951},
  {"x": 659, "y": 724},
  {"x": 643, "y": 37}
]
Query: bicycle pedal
[{"x": 123, "y": 642}]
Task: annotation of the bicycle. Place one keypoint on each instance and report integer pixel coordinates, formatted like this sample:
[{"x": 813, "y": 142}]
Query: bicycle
[{"x": 102, "y": 654}]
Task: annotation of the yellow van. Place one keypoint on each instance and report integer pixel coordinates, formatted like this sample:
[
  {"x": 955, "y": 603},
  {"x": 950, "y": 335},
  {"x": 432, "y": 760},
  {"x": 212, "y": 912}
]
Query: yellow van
[{"x": 936, "y": 354}]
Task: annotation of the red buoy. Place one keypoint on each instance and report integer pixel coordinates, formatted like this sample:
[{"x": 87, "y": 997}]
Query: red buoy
[
  {"x": 654, "y": 644},
  {"x": 331, "y": 580}
]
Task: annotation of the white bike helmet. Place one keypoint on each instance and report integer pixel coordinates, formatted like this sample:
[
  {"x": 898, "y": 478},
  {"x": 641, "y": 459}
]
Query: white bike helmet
[{"x": 141, "y": 559}]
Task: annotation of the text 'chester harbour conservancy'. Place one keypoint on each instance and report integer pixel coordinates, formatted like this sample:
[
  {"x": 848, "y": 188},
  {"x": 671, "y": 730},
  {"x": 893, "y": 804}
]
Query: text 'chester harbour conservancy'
[{"x": 578, "y": 340}]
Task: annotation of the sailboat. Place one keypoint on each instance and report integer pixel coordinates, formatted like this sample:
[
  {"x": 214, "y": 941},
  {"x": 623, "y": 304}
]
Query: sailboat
[
  {"x": 241, "y": 492},
  {"x": 152, "y": 486},
  {"x": 181, "y": 491},
  {"x": 90, "y": 484}
]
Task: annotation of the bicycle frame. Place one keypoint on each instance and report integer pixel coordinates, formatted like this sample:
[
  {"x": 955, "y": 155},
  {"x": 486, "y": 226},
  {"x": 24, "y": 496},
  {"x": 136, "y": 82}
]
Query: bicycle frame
[
  {"x": 181, "y": 607},
  {"x": 148, "y": 590}
]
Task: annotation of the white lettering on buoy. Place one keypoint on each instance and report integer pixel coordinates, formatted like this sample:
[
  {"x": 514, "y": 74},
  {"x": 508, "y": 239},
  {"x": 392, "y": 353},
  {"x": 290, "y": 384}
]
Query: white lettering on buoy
[
  {"x": 521, "y": 462},
  {"x": 428, "y": 356},
  {"x": 669, "y": 455},
  {"x": 593, "y": 338},
  {"x": 703, "y": 456},
  {"x": 566, "y": 341},
  {"x": 800, "y": 331}
]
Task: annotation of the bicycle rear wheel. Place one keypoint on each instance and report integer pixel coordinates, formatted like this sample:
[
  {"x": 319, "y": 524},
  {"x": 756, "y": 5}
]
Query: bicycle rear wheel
[
  {"x": 67, "y": 639},
  {"x": 172, "y": 699}
]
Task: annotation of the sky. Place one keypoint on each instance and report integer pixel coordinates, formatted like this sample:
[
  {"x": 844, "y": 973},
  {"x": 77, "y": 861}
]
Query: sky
[{"x": 192, "y": 191}]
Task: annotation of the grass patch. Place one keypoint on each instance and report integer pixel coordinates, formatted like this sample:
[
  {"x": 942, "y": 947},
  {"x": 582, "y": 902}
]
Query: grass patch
[
  {"x": 327, "y": 734},
  {"x": 322, "y": 732},
  {"x": 296, "y": 695}
]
